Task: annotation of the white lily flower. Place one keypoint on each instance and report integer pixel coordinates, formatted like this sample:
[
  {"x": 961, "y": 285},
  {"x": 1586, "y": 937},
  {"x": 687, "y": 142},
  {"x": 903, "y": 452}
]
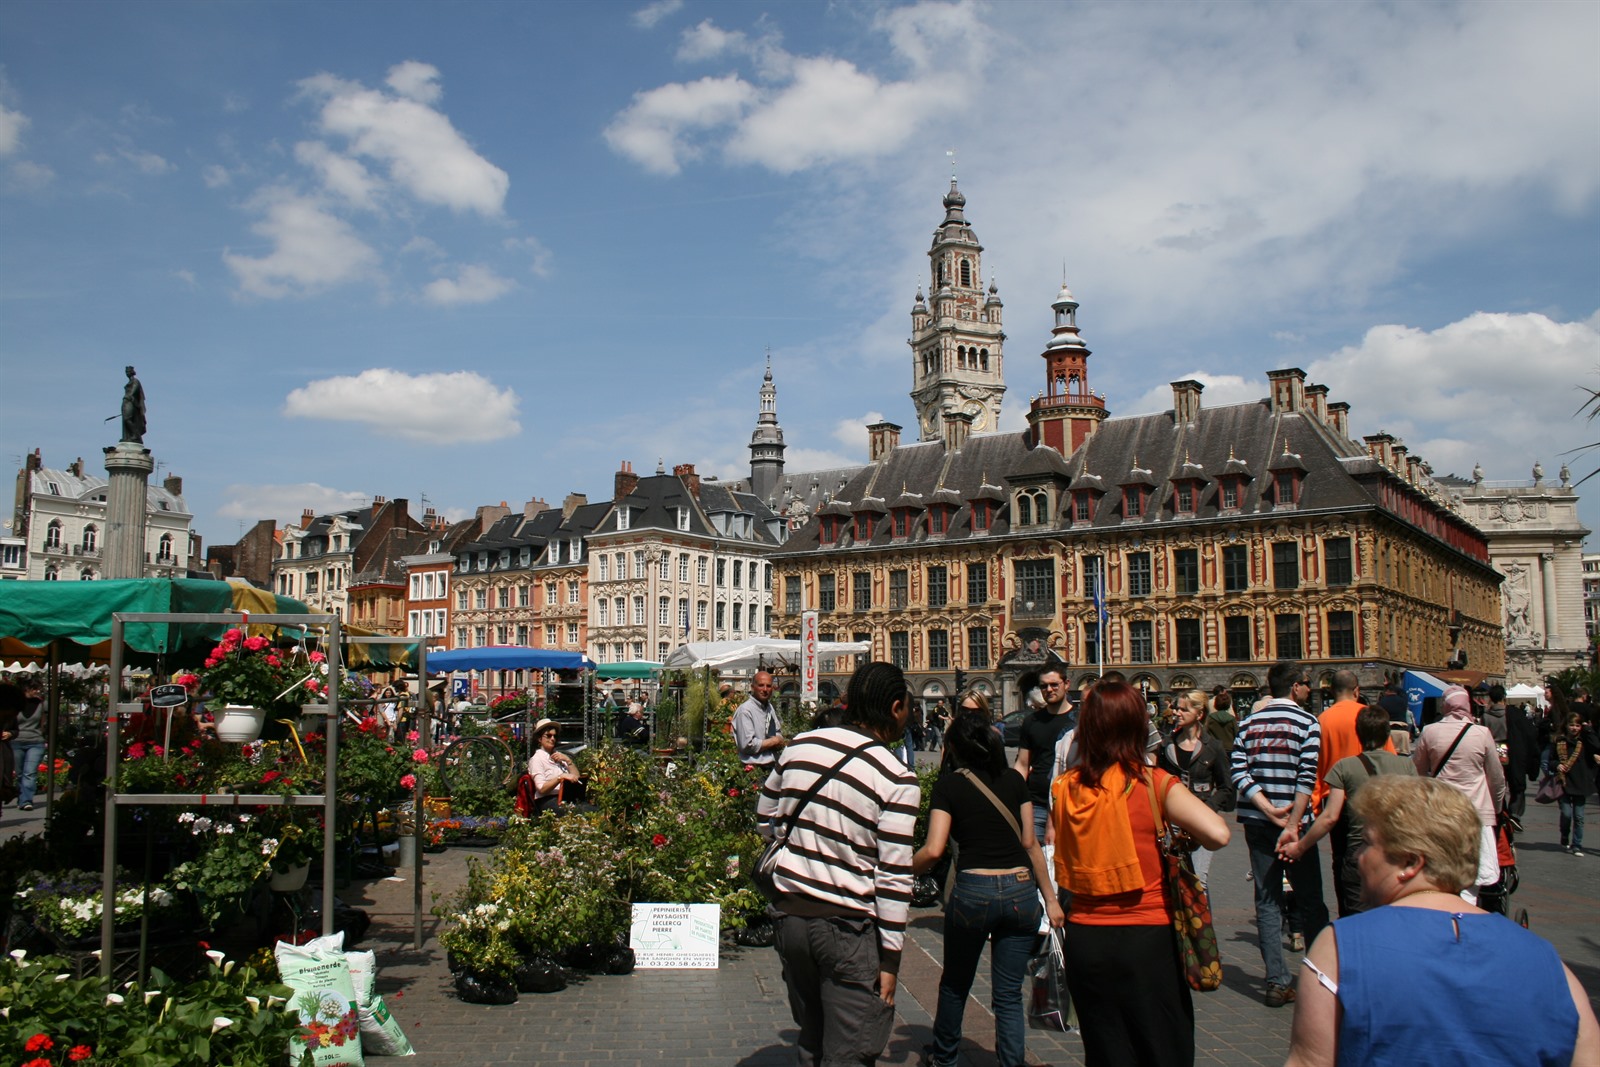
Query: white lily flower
[
  {"x": 255, "y": 1004},
  {"x": 63, "y": 977},
  {"x": 216, "y": 957},
  {"x": 220, "y": 1023},
  {"x": 19, "y": 954},
  {"x": 151, "y": 994},
  {"x": 114, "y": 998}
]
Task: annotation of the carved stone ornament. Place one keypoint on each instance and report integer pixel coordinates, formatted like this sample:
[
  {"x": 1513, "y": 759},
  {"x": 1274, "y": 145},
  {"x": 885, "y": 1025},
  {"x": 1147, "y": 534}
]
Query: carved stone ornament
[{"x": 1511, "y": 511}]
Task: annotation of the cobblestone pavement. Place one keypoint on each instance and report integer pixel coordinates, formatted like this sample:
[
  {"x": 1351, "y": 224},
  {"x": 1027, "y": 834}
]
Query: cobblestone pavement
[{"x": 738, "y": 1014}]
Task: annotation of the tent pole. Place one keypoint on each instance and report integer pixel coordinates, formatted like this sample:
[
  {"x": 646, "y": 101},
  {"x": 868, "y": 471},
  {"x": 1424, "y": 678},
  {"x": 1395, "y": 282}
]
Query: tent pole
[{"x": 108, "y": 870}]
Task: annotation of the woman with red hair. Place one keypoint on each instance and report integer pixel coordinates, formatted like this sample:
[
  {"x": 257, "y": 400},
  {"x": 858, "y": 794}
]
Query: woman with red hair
[{"x": 1122, "y": 959}]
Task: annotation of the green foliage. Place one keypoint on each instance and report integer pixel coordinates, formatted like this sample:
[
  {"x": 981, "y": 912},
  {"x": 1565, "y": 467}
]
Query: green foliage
[
  {"x": 1572, "y": 679},
  {"x": 926, "y": 776},
  {"x": 70, "y": 902},
  {"x": 234, "y": 857},
  {"x": 233, "y": 1015}
]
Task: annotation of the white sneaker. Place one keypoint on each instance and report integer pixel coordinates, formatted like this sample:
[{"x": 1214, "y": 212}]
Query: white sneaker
[{"x": 1577, "y": 851}]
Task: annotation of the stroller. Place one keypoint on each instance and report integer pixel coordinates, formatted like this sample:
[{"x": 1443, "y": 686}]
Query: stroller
[{"x": 1497, "y": 897}]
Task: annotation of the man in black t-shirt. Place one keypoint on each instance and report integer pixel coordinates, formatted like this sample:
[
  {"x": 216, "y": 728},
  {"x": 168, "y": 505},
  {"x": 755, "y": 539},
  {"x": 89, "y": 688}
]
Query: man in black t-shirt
[{"x": 1039, "y": 734}]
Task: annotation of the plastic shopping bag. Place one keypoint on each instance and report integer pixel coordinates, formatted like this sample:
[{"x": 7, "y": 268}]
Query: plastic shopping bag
[{"x": 1049, "y": 1003}]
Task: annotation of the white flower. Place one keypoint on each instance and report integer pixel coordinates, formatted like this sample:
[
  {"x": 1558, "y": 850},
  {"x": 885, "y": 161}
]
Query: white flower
[
  {"x": 245, "y": 818},
  {"x": 63, "y": 977},
  {"x": 187, "y": 816},
  {"x": 114, "y": 998},
  {"x": 151, "y": 995},
  {"x": 19, "y": 954},
  {"x": 220, "y": 1023},
  {"x": 216, "y": 957},
  {"x": 5, "y": 1013},
  {"x": 225, "y": 828},
  {"x": 201, "y": 824},
  {"x": 269, "y": 845},
  {"x": 255, "y": 1004}
]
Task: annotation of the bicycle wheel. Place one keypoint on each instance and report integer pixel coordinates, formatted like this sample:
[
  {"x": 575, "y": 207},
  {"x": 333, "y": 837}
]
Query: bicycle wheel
[{"x": 482, "y": 762}]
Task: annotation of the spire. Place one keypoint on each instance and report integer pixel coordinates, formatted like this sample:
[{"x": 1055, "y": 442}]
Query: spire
[{"x": 766, "y": 443}]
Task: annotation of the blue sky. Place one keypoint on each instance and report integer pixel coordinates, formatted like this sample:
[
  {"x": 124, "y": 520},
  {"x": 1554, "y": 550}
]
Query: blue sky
[{"x": 485, "y": 252}]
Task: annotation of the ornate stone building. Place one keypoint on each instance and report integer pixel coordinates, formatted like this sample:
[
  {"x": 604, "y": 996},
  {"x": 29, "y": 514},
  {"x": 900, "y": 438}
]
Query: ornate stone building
[
  {"x": 1222, "y": 539},
  {"x": 1536, "y": 541},
  {"x": 319, "y": 556}
]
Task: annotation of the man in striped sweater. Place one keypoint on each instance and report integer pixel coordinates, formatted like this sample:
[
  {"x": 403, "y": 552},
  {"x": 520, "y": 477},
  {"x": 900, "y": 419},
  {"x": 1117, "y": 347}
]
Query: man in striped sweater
[
  {"x": 845, "y": 873},
  {"x": 1275, "y": 773}
]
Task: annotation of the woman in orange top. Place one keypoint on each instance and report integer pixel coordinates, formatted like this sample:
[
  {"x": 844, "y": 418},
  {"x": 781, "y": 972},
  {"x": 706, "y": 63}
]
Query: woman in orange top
[{"x": 1122, "y": 957}]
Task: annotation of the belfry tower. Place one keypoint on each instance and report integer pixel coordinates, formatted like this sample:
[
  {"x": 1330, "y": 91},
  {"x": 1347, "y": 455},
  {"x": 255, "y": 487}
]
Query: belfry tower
[
  {"x": 1068, "y": 412},
  {"x": 766, "y": 444},
  {"x": 956, "y": 340}
]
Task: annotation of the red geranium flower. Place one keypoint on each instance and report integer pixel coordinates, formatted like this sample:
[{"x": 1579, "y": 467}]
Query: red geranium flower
[
  {"x": 38, "y": 1063},
  {"x": 39, "y": 1043},
  {"x": 80, "y": 1052},
  {"x": 733, "y": 792},
  {"x": 316, "y": 657},
  {"x": 659, "y": 840}
]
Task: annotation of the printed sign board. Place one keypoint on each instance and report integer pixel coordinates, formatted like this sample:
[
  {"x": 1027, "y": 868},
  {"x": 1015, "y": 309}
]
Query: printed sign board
[
  {"x": 808, "y": 655},
  {"x": 681, "y": 936},
  {"x": 168, "y": 696}
]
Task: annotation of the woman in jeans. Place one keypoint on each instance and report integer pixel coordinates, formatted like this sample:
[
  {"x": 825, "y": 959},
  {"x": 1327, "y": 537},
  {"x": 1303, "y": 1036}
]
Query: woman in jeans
[
  {"x": 999, "y": 871},
  {"x": 1574, "y": 767}
]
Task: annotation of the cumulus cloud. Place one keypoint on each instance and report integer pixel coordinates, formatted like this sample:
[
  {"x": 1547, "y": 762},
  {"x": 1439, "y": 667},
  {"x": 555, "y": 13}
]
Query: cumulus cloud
[
  {"x": 418, "y": 146},
  {"x": 28, "y": 176},
  {"x": 313, "y": 249},
  {"x": 286, "y": 502},
  {"x": 216, "y": 176},
  {"x": 342, "y": 176},
  {"x": 539, "y": 257},
  {"x": 143, "y": 161},
  {"x": 647, "y": 17},
  {"x": 1458, "y": 405},
  {"x": 461, "y": 407},
  {"x": 852, "y": 433},
  {"x": 473, "y": 284},
  {"x": 807, "y": 110},
  {"x": 12, "y": 123},
  {"x": 1221, "y": 390}
]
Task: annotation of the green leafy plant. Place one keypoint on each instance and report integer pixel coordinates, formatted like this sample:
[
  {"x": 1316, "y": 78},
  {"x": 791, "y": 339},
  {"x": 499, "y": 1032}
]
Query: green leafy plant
[
  {"x": 234, "y": 858},
  {"x": 70, "y": 902}
]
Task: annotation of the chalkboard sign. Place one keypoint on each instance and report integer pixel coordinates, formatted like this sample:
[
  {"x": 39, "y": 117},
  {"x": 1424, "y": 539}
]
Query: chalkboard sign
[{"x": 168, "y": 696}]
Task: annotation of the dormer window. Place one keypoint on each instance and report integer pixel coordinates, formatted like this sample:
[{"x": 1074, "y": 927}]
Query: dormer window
[
  {"x": 574, "y": 551},
  {"x": 939, "y": 518},
  {"x": 1183, "y": 498},
  {"x": 829, "y": 529},
  {"x": 683, "y": 518},
  {"x": 555, "y": 550},
  {"x": 1133, "y": 501},
  {"x": 1032, "y": 507},
  {"x": 982, "y": 514},
  {"x": 902, "y": 523},
  {"x": 863, "y": 531},
  {"x": 1285, "y": 487},
  {"x": 1230, "y": 493},
  {"x": 1083, "y": 502},
  {"x": 623, "y": 517}
]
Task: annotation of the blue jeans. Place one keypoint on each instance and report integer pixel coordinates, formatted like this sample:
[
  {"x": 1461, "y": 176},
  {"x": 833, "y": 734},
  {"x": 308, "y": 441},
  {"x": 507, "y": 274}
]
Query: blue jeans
[
  {"x": 28, "y": 756},
  {"x": 1003, "y": 910},
  {"x": 1571, "y": 820},
  {"x": 1305, "y": 878}
]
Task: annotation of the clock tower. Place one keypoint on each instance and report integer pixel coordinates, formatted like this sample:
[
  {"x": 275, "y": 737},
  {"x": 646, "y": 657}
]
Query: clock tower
[{"x": 956, "y": 340}]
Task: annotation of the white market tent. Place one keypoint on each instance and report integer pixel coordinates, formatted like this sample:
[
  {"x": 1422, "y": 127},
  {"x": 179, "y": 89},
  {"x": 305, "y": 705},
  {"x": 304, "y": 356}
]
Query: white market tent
[
  {"x": 755, "y": 653},
  {"x": 1526, "y": 692}
]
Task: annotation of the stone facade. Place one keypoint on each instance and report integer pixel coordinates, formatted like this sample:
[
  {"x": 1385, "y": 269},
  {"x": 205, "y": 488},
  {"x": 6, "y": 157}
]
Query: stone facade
[
  {"x": 1536, "y": 541},
  {"x": 321, "y": 555}
]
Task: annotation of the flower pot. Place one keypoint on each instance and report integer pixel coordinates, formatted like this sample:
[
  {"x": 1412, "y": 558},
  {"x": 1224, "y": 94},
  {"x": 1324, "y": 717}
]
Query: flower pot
[
  {"x": 291, "y": 880},
  {"x": 238, "y": 723}
]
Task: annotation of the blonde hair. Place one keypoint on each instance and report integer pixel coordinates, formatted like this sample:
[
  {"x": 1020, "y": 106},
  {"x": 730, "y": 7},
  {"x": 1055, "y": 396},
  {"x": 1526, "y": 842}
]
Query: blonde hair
[
  {"x": 1423, "y": 817},
  {"x": 1199, "y": 702},
  {"x": 978, "y": 697}
]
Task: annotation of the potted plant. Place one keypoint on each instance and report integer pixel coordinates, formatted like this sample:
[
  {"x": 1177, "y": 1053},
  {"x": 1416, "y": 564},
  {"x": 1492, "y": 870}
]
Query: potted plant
[
  {"x": 235, "y": 857},
  {"x": 68, "y": 904},
  {"x": 247, "y": 677}
]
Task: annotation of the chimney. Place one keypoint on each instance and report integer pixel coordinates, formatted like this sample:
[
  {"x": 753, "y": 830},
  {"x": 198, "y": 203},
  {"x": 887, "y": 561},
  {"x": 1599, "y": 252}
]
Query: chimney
[
  {"x": 1186, "y": 402},
  {"x": 1378, "y": 447},
  {"x": 1339, "y": 418},
  {"x": 430, "y": 518},
  {"x": 173, "y": 484},
  {"x": 533, "y": 507},
  {"x": 1397, "y": 461},
  {"x": 882, "y": 438},
  {"x": 305, "y": 518},
  {"x": 75, "y": 468},
  {"x": 625, "y": 482},
  {"x": 379, "y": 501},
  {"x": 35, "y": 461},
  {"x": 573, "y": 502},
  {"x": 957, "y": 427},
  {"x": 1414, "y": 471},
  {"x": 691, "y": 480},
  {"x": 1317, "y": 402},
  {"x": 1288, "y": 390},
  {"x": 489, "y": 514}
]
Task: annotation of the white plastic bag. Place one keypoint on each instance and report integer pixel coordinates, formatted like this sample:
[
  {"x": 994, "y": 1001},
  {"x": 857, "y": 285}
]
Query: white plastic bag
[{"x": 380, "y": 1033}]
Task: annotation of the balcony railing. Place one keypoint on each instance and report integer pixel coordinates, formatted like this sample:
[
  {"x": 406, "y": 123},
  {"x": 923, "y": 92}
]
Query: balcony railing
[{"x": 1030, "y": 607}]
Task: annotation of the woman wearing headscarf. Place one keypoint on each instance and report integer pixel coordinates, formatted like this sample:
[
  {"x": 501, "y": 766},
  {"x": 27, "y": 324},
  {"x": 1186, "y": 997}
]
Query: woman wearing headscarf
[
  {"x": 1459, "y": 752},
  {"x": 1122, "y": 957},
  {"x": 1478, "y": 988}
]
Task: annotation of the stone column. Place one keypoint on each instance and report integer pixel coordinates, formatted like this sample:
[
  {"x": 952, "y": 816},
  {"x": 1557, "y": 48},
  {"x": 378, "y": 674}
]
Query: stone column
[
  {"x": 1547, "y": 570},
  {"x": 127, "y": 500}
]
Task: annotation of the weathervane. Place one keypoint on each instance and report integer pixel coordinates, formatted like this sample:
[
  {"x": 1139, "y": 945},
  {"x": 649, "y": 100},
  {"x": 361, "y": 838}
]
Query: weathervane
[{"x": 951, "y": 152}]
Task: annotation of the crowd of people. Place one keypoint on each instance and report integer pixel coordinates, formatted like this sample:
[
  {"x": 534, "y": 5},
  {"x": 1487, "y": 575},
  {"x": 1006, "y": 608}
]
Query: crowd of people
[{"x": 1071, "y": 834}]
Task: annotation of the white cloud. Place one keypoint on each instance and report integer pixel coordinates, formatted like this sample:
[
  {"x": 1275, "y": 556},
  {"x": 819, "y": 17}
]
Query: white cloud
[
  {"x": 423, "y": 246},
  {"x": 216, "y": 176},
  {"x": 852, "y": 433},
  {"x": 12, "y": 123},
  {"x": 28, "y": 176},
  {"x": 342, "y": 176},
  {"x": 186, "y": 277},
  {"x": 144, "y": 162},
  {"x": 648, "y": 16},
  {"x": 539, "y": 257},
  {"x": 234, "y": 103},
  {"x": 708, "y": 41},
  {"x": 1221, "y": 390},
  {"x": 415, "y": 81},
  {"x": 1493, "y": 388},
  {"x": 313, "y": 249},
  {"x": 654, "y": 131},
  {"x": 285, "y": 503},
  {"x": 420, "y": 148},
  {"x": 461, "y": 407},
  {"x": 473, "y": 284}
]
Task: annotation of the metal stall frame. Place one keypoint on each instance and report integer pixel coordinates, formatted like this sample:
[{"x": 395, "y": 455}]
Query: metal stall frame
[{"x": 328, "y": 797}]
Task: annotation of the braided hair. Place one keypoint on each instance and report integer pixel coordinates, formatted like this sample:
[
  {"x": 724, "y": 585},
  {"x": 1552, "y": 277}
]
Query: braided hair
[{"x": 874, "y": 688}]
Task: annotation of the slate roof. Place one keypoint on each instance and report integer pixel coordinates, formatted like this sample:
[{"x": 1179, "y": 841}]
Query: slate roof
[
  {"x": 81, "y": 487},
  {"x": 655, "y": 500}
]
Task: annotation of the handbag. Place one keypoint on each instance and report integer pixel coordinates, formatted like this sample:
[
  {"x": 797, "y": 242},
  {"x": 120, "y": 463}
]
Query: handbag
[
  {"x": 763, "y": 874},
  {"x": 1549, "y": 790},
  {"x": 1049, "y": 1002},
  {"x": 1198, "y": 952}
]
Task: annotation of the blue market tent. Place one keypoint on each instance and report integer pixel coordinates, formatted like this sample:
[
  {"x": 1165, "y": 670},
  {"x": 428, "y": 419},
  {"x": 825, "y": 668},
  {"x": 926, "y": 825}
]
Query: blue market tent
[
  {"x": 505, "y": 658},
  {"x": 1419, "y": 686}
]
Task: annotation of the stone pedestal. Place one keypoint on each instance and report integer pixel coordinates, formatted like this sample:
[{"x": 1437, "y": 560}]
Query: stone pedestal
[{"x": 127, "y": 502}]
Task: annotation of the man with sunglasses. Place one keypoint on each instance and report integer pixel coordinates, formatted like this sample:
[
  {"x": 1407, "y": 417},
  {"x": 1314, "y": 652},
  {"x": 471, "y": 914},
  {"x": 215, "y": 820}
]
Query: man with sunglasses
[{"x": 1038, "y": 737}]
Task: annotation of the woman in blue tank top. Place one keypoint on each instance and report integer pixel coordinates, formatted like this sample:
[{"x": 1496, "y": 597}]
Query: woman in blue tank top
[{"x": 1421, "y": 979}]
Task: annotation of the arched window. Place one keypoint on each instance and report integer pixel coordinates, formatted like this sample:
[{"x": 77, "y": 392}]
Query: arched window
[
  {"x": 1024, "y": 509},
  {"x": 944, "y": 273},
  {"x": 164, "y": 552},
  {"x": 86, "y": 575},
  {"x": 983, "y": 358},
  {"x": 50, "y": 574},
  {"x": 52, "y": 534},
  {"x": 966, "y": 274},
  {"x": 961, "y": 356},
  {"x": 91, "y": 538}
]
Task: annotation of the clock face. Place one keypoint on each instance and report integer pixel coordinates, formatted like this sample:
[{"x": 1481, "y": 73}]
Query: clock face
[{"x": 980, "y": 416}]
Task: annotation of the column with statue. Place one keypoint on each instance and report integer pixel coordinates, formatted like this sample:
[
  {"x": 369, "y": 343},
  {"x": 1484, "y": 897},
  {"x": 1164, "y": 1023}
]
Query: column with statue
[{"x": 129, "y": 465}]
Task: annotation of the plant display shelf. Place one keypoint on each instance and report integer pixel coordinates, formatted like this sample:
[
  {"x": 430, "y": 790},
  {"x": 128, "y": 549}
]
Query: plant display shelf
[{"x": 327, "y": 799}]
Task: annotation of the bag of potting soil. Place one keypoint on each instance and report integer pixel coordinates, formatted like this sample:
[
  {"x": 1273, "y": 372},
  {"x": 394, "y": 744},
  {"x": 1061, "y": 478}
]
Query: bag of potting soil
[
  {"x": 325, "y": 999},
  {"x": 380, "y": 1033}
]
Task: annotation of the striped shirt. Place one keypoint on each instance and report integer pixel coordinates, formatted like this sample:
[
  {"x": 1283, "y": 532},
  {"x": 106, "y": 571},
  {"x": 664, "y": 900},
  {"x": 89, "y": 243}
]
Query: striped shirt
[
  {"x": 1275, "y": 753},
  {"x": 850, "y": 851}
]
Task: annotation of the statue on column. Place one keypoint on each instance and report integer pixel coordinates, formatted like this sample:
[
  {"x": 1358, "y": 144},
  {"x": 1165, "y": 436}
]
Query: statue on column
[{"x": 133, "y": 423}]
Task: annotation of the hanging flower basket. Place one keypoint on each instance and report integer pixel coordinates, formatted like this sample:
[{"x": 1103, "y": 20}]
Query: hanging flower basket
[
  {"x": 238, "y": 723},
  {"x": 290, "y": 880}
]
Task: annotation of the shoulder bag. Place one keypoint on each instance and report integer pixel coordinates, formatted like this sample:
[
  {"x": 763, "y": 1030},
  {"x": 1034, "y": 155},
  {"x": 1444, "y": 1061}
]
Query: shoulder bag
[
  {"x": 766, "y": 866},
  {"x": 1451, "y": 751},
  {"x": 1198, "y": 953}
]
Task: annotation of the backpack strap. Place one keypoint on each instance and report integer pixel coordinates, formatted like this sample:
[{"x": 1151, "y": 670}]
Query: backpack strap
[{"x": 1451, "y": 751}]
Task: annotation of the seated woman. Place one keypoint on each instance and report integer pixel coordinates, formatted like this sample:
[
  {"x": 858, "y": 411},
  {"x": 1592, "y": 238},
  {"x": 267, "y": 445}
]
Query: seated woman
[
  {"x": 1424, "y": 978},
  {"x": 553, "y": 775}
]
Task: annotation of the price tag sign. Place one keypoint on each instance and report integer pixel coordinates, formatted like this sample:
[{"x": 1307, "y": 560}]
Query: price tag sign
[{"x": 168, "y": 696}]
